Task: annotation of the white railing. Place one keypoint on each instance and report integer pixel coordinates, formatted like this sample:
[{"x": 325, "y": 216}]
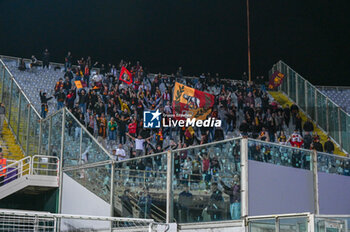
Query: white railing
[
  {"x": 36, "y": 165},
  {"x": 18, "y": 220}
]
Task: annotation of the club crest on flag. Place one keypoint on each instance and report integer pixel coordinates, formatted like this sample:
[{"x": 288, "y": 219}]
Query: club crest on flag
[{"x": 190, "y": 101}]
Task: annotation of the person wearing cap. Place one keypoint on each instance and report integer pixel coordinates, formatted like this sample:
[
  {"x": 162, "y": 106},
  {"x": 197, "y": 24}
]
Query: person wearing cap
[{"x": 3, "y": 163}]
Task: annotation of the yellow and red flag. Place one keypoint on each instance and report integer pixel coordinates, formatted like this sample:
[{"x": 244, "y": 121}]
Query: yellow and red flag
[
  {"x": 125, "y": 76},
  {"x": 190, "y": 101},
  {"x": 276, "y": 80}
]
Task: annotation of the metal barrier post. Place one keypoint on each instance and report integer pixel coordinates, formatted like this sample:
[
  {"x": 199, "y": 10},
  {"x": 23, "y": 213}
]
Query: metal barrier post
[
  {"x": 339, "y": 129},
  {"x": 10, "y": 101},
  {"x": 49, "y": 139},
  {"x": 61, "y": 163},
  {"x": 315, "y": 180},
  {"x": 244, "y": 178},
  {"x": 169, "y": 188},
  {"x": 316, "y": 107},
  {"x": 111, "y": 200},
  {"x": 2, "y": 83},
  {"x": 296, "y": 90},
  {"x": 288, "y": 85},
  {"x": 40, "y": 138},
  {"x": 28, "y": 130},
  {"x": 19, "y": 117},
  {"x": 306, "y": 99}
]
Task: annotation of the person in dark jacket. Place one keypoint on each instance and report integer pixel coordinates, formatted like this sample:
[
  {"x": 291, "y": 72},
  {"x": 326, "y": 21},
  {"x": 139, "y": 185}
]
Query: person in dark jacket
[
  {"x": 44, "y": 106},
  {"x": 61, "y": 98},
  {"x": 307, "y": 140},
  {"x": 215, "y": 205},
  {"x": 329, "y": 146},
  {"x": 286, "y": 113},
  {"x": 184, "y": 204},
  {"x": 317, "y": 145},
  {"x": 82, "y": 100},
  {"x": 46, "y": 58},
  {"x": 308, "y": 126},
  {"x": 126, "y": 204}
]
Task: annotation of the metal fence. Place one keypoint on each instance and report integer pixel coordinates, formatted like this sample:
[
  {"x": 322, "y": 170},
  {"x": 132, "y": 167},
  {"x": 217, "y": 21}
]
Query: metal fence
[
  {"x": 322, "y": 110},
  {"x": 16, "y": 220}
]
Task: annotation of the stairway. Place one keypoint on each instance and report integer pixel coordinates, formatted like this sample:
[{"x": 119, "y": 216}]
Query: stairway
[{"x": 11, "y": 150}]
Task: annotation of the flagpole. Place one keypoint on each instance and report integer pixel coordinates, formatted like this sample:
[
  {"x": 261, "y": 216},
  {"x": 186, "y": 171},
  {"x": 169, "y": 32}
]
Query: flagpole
[{"x": 248, "y": 29}]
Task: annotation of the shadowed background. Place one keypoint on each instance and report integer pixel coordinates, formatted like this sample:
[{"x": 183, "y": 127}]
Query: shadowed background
[{"x": 199, "y": 35}]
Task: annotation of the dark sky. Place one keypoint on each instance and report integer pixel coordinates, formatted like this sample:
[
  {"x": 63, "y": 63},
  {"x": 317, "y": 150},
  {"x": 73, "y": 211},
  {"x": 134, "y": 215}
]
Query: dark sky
[{"x": 199, "y": 35}]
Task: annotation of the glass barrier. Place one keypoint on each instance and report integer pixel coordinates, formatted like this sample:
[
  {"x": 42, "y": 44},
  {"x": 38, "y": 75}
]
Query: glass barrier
[
  {"x": 206, "y": 183},
  {"x": 45, "y": 130},
  {"x": 293, "y": 224},
  {"x": 56, "y": 134},
  {"x": 317, "y": 106},
  {"x": 279, "y": 155},
  {"x": 321, "y": 109},
  {"x": 301, "y": 93},
  {"x": 23, "y": 124},
  {"x": 333, "y": 164},
  {"x": 333, "y": 129},
  {"x": 79, "y": 145},
  {"x": 2, "y": 70},
  {"x": 6, "y": 94},
  {"x": 310, "y": 95},
  {"x": 292, "y": 84},
  {"x": 140, "y": 187},
  {"x": 262, "y": 225},
  {"x": 285, "y": 224},
  {"x": 96, "y": 179},
  {"x": 332, "y": 224}
]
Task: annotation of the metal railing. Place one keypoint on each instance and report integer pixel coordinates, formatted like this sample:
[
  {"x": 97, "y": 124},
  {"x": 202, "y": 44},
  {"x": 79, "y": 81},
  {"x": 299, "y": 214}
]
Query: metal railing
[
  {"x": 328, "y": 115},
  {"x": 36, "y": 165},
  {"x": 18, "y": 220}
]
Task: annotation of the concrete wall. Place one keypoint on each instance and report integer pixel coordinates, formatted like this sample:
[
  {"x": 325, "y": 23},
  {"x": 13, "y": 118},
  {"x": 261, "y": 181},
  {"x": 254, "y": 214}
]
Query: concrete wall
[
  {"x": 76, "y": 199},
  {"x": 277, "y": 189},
  {"x": 334, "y": 193}
]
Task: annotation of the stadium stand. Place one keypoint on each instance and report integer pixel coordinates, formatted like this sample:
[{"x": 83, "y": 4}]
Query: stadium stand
[{"x": 340, "y": 95}]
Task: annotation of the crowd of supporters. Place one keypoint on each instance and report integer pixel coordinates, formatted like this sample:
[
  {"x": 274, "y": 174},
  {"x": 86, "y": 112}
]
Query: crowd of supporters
[{"x": 113, "y": 110}]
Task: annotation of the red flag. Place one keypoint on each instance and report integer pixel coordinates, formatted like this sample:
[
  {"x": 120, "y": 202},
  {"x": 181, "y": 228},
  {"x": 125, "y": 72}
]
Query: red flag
[
  {"x": 276, "y": 80},
  {"x": 192, "y": 102},
  {"x": 125, "y": 76}
]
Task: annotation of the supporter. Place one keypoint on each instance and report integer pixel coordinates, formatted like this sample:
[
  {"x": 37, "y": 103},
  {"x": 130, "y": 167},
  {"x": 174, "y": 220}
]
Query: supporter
[
  {"x": 234, "y": 191},
  {"x": 185, "y": 202},
  {"x": 294, "y": 109},
  {"x": 307, "y": 140},
  {"x": 61, "y": 97},
  {"x": 139, "y": 144},
  {"x": 44, "y": 106},
  {"x": 22, "y": 65},
  {"x": 295, "y": 139},
  {"x": 112, "y": 130},
  {"x": 308, "y": 126},
  {"x": 34, "y": 62},
  {"x": 127, "y": 207},
  {"x": 120, "y": 152},
  {"x": 317, "y": 145},
  {"x": 68, "y": 61},
  {"x": 46, "y": 58},
  {"x": 282, "y": 139},
  {"x": 329, "y": 146},
  {"x": 145, "y": 203},
  {"x": 216, "y": 203}
]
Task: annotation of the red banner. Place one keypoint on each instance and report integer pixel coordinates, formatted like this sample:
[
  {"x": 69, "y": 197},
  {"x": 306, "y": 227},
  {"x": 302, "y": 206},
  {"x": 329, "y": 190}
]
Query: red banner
[
  {"x": 125, "y": 76},
  {"x": 191, "y": 102},
  {"x": 276, "y": 80}
]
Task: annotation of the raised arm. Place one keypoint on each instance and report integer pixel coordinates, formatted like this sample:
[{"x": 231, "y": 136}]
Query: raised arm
[{"x": 131, "y": 137}]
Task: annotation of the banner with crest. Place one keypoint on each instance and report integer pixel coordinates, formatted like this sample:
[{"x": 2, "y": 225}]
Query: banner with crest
[{"x": 192, "y": 102}]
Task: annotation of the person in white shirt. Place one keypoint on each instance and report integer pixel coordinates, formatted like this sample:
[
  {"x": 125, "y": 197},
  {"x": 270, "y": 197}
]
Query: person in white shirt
[
  {"x": 139, "y": 144},
  {"x": 120, "y": 153}
]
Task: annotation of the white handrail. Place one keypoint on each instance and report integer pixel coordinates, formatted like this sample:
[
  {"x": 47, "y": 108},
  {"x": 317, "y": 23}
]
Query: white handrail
[{"x": 29, "y": 166}]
